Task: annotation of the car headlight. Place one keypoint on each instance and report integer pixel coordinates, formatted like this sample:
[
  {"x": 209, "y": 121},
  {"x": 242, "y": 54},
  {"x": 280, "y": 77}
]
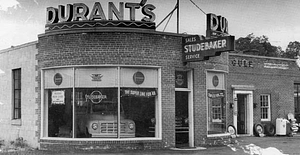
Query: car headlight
[
  {"x": 153, "y": 121},
  {"x": 95, "y": 126},
  {"x": 131, "y": 126},
  {"x": 186, "y": 121}
]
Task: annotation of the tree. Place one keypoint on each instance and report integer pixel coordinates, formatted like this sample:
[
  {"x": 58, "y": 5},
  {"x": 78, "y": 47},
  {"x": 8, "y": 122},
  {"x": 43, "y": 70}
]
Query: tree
[
  {"x": 292, "y": 50},
  {"x": 260, "y": 45}
]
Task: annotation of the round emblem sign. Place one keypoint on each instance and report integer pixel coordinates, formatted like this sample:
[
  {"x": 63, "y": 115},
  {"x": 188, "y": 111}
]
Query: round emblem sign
[
  {"x": 57, "y": 79},
  {"x": 96, "y": 97},
  {"x": 138, "y": 78},
  {"x": 215, "y": 81},
  {"x": 179, "y": 79}
]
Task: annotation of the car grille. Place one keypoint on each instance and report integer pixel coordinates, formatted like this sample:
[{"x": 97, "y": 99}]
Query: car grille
[{"x": 112, "y": 127}]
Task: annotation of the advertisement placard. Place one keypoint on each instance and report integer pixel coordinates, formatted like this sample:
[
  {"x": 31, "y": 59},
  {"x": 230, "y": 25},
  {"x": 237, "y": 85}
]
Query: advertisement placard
[{"x": 58, "y": 97}]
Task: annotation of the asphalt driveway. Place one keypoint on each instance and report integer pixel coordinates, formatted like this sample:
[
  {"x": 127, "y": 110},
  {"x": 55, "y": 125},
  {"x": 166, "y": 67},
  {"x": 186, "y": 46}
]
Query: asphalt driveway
[{"x": 278, "y": 145}]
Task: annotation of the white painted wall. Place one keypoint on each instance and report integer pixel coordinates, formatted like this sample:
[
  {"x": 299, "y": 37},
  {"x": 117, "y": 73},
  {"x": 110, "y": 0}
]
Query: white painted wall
[{"x": 23, "y": 57}]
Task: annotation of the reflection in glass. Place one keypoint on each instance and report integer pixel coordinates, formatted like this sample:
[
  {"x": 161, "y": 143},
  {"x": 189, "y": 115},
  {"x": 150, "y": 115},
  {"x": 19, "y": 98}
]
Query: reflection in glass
[
  {"x": 216, "y": 111},
  {"x": 60, "y": 113},
  {"x": 140, "y": 108},
  {"x": 97, "y": 114}
]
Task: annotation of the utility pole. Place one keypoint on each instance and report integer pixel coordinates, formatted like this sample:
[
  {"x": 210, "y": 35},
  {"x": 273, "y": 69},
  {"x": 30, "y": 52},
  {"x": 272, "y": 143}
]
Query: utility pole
[{"x": 177, "y": 16}]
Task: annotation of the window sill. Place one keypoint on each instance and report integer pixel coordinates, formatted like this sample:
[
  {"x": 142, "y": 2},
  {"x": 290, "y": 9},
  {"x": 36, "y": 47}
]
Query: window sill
[
  {"x": 99, "y": 139},
  {"x": 16, "y": 122},
  {"x": 219, "y": 135}
]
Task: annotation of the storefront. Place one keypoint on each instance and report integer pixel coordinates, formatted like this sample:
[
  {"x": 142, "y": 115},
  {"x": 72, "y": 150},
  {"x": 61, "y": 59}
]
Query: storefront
[{"x": 114, "y": 84}]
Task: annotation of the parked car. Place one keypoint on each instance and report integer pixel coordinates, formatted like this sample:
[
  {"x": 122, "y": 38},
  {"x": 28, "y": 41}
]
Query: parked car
[{"x": 101, "y": 120}]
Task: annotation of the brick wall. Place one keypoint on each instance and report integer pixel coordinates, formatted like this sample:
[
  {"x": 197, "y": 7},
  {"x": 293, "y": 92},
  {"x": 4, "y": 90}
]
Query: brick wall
[
  {"x": 120, "y": 48},
  {"x": 136, "y": 48},
  {"x": 277, "y": 81}
]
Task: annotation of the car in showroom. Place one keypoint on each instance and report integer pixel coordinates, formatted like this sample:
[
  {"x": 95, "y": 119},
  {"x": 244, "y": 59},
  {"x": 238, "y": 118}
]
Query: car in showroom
[{"x": 101, "y": 121}]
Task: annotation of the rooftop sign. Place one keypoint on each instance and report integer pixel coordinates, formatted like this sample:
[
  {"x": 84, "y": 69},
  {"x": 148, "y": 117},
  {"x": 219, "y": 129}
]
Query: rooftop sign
[
  {"x": 79, "y": 13},
  {"x": 216, "y": 25},
  {"x": 217, "y": 40}
]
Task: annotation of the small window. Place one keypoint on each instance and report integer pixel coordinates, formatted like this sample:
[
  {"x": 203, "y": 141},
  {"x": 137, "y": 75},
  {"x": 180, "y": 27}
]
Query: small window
[
  {"x": 17, "y": 94},
  {"x": 265, "y": 112}
]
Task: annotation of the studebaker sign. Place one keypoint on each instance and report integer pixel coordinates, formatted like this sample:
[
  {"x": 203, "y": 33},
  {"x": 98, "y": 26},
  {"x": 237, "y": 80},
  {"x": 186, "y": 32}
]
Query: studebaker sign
[{"x": 196, "y": 48}]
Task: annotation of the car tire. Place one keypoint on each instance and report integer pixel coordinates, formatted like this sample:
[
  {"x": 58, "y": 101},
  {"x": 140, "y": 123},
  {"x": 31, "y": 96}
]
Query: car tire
[
  {"x": 258, "y": 129},
  {"x": 269, "y": 129},
  {"x": 231, "y": 129}
]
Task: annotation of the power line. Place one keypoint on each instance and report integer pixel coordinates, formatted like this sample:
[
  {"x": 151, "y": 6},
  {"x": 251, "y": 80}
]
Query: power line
[
  {"x": 176, "y": 6},
  {"x": 168, "y": 21},
  {"x": 198, "y": 7}
]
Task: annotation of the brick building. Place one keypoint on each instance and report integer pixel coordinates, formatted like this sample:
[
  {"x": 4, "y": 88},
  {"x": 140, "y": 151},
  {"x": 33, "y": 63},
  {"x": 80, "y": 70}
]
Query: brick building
[
  {"x": 91, "y": 84},
  {"x": 267, "y": 85},
  {"x": 156, "y": 91}
]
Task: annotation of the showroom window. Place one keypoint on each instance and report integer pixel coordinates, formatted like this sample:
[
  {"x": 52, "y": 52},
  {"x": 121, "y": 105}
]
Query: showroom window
[
  {"x": 217, "y": 107},
  {"x": 101, "y": 102},
  {"x": 216, "y": 122},
  {"x": 265, "y": 111}
]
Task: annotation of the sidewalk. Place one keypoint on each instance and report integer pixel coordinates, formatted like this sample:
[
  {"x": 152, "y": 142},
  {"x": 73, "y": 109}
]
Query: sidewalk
[{"x": 244, "y": 145}]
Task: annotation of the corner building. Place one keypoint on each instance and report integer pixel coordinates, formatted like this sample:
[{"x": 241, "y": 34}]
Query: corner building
[
  {"x": 123, "y": 88},
  {"x": 84, "y": 86}
]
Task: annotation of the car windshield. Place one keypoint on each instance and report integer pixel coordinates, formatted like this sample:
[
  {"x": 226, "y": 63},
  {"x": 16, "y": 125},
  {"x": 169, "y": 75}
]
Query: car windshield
[{"x": 105, "y": 108}]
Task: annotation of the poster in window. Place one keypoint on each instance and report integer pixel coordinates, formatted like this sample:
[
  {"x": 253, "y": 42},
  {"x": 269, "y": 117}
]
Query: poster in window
[
  {"x": 58, "y": 97},
  {"x": 181, "y": 79}
]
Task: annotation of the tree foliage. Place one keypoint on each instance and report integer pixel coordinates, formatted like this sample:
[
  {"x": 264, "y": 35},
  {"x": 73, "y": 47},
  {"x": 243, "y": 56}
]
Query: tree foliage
[
  {"x": 260, "y": 45},
  {"x": 292, "y": 50}
]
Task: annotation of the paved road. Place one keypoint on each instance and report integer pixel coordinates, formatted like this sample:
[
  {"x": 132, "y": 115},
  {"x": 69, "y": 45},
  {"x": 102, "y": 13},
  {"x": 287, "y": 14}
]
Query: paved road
[{"x": 244, "y": 145}]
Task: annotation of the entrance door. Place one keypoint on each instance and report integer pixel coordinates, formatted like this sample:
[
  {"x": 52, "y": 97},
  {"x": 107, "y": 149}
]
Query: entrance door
[
  {"x": 242, "y": 114},
  {"x": 243, "y": 111},
  {"x": 181, "y": 118}
]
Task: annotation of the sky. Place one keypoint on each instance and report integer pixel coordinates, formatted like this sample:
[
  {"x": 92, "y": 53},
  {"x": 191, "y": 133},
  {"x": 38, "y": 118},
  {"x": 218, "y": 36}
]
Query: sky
[{"x": 23, "y": 20}]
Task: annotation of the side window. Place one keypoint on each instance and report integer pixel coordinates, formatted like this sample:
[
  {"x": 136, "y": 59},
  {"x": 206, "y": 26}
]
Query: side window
[
  {"x": 265, "y": 110},
  {"x": 16, "y": 93}
]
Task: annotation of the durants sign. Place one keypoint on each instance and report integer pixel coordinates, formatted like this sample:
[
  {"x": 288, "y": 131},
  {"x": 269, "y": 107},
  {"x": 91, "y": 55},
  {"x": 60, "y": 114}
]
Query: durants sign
[
  {"x": 195, "y": 48},
  {"x": 80, "y": 11},
  {"x": 77, "y": 17}
]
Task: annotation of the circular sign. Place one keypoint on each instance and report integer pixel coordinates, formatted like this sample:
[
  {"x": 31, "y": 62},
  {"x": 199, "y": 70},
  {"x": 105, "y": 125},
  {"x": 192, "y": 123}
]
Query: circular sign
[
  {"x": 96, "y": 97},
  {"x": 179, "y": 79},
  {"x": 138, "y": 78},
  {"x": 57, "y": 79},
  {"x": 215, "y": 81}
]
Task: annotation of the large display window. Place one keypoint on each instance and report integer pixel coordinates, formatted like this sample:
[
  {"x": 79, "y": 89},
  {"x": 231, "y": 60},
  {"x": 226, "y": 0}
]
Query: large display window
[
  {"x": 216, "y": 103},
  {"x": 101, "y": 102},
  {"x": 216, "y": 112}
]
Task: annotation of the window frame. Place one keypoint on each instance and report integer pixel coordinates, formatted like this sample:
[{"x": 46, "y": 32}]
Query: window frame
[
  {"x": 158, "y": 134},
  {"x": 16, "y": 94},
  {"x": 265, "y": 107},
  {"x": 210, "y": 87},
  {"x": 296, "y": 97}
]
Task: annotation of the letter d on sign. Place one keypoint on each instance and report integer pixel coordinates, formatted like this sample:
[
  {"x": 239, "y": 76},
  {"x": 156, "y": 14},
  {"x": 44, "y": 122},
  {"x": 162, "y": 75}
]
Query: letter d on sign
[
  {"x": 52, "y": 15},
  {"x": 212, "y": 22}
]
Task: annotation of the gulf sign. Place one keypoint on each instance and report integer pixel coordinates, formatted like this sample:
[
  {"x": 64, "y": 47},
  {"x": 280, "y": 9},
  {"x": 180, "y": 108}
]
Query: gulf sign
[{"x": 197, "y": 48}]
